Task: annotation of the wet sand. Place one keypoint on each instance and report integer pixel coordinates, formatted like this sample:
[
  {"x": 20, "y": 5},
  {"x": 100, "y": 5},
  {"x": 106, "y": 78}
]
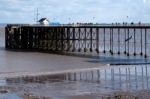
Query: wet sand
[
  {"x": 128, "y": 82},
  {"x": 18, "y": 63},
  {"x": 15, "y": 65}
]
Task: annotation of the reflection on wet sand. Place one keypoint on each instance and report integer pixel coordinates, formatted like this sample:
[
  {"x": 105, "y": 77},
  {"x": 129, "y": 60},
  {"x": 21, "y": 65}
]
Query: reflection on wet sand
[{"x": 102, "y": 83}]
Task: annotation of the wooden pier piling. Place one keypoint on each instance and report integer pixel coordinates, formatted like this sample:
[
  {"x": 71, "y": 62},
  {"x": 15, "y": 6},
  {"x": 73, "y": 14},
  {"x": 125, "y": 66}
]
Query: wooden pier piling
[{"x": 113, "y": 39}]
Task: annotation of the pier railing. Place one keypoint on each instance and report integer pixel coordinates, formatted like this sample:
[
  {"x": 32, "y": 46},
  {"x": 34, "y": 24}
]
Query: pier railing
[{"x": 129, "y": 40}]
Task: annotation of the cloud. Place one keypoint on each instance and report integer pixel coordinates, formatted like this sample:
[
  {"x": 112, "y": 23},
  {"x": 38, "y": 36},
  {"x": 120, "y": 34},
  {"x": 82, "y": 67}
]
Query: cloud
[
  {"x": 77, "y": 10},
  {"x": 146, "y": 1}
]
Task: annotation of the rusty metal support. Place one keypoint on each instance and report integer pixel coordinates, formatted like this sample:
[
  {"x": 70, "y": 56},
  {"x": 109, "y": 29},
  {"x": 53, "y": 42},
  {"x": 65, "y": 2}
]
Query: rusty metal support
[
  {"x": 104, "y": 41},
  {"x": 97, "y": 40},
  {"x": 118, "y": 40},
  {"x": 85, "y": 40},
  {"x": 79, "y": 31},
  {"x": 141, "y": 42},
  {"x": 125, "y": 44},
  {"x": 128, "y": 41},
  {"x": 145, "y": 43},
  {"x": 91, "y": 39},
  {"x": 134, "y": 42}
]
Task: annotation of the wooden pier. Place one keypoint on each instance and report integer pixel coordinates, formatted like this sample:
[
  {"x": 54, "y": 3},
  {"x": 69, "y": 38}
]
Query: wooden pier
[{"x": 129, "y": 40}]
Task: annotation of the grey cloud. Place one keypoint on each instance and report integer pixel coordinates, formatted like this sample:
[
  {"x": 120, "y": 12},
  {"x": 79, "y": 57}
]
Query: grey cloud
[{"x": 103, "y": 10}]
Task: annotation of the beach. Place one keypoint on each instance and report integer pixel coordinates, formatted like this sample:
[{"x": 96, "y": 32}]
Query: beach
[
  {"x": 36, "y": 75},
  {"x": 19, "y": 64}
]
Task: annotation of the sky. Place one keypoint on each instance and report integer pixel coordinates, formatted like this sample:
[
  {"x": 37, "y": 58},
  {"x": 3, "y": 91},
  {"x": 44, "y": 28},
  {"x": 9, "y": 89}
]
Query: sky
[{"x": 68, "y": 11}]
